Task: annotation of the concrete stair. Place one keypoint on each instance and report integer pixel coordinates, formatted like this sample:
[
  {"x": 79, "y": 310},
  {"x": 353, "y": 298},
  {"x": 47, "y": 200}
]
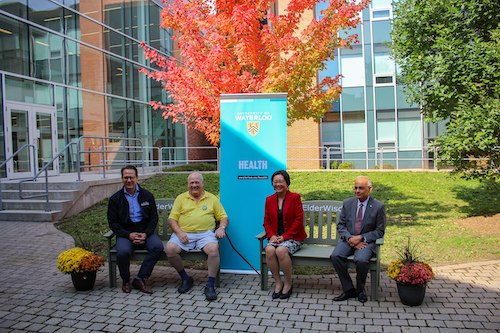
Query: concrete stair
[
  {"x": 67, "y": 196},
  {"x": 61, "y": 198}
]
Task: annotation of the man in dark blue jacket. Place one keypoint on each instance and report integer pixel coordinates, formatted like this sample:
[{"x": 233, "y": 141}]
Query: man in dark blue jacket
[{"x": 133, "y": 217}]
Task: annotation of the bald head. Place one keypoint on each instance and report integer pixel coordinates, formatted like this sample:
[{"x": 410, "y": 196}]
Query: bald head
[{"x": 362, "y": 188}]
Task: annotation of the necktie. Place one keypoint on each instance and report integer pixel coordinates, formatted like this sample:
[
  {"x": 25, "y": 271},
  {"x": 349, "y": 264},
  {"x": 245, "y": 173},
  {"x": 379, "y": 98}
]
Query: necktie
[{"x": 359, "y": 219}]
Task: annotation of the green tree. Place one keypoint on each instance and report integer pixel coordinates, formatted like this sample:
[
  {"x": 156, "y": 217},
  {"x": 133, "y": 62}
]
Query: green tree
[{"x": 448, "y": 55}]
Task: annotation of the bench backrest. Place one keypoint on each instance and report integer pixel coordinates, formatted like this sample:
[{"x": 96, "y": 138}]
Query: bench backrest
[
  {"x": 164, "y": 207},
  {"x": 324, "y": 213},
  {"x": 320, "y": 221}
]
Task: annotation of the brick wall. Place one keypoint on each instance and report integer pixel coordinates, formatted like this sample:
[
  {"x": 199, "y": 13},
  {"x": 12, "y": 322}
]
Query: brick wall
[
  {"x": 197, "y": 139},
  {"x": 303, "y": 133}
]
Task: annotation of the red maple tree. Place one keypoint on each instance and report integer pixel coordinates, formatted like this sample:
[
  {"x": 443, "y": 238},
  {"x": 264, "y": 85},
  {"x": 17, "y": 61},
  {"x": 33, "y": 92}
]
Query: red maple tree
[{"x": 239, "y": 46}]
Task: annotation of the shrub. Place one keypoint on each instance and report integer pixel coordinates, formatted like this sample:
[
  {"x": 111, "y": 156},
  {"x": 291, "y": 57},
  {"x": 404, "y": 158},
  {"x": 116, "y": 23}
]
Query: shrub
[
  {"x": 193, "y": 167},
  {"x": 386, "y": 166},
  {"x": 346, "y": 165}
]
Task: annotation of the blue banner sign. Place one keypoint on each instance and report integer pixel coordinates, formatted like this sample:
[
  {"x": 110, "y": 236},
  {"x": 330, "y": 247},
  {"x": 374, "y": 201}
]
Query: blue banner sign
[{"x": 253, "y": 146}]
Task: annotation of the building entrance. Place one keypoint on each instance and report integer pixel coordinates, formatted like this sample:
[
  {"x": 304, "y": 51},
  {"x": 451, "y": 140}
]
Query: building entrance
[{"x": 30, "y": 124}]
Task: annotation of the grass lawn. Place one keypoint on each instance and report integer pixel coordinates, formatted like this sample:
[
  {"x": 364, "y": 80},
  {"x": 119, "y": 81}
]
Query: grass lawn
[{"x": 422, "y": 205}]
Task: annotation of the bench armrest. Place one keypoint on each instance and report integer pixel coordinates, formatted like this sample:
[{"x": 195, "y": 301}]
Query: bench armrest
[
  {"x": 109, "y": 234},
  {"x": 261, "y": 236},
  {"x": 379, "y": 241}
]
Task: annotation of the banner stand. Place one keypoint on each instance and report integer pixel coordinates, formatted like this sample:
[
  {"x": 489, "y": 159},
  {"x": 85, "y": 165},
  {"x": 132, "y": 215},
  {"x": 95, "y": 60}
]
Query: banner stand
[{"x": 253, "y": 146}]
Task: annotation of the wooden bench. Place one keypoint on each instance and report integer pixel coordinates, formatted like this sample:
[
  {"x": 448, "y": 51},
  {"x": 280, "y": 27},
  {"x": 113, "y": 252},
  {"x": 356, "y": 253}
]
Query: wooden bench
[
  {"x": 318, "y": 246},
  {"x": 164, "y": 231}
]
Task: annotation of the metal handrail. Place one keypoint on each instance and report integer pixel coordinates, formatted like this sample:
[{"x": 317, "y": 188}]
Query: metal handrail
[
  {"x": 79, "y": 167},
  {"x": 45, "y": 168},
  {"x": 8, "y": 159},
  {"x": 119, "y": 151},
  {"x": 187, "y": 160}
]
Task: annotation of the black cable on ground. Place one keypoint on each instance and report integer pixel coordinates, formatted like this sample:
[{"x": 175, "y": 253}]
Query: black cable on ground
[{"x": 256, "y": 271}]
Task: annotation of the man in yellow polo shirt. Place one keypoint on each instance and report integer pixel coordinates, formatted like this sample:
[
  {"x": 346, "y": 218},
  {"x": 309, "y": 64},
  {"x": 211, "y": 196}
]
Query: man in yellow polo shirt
[{"x": 192, "y": 219}]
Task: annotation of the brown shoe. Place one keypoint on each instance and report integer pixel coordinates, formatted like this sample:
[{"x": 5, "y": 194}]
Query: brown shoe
[
  {"x": 126, "y": 287},
  {"x": 139, "y": 284}
]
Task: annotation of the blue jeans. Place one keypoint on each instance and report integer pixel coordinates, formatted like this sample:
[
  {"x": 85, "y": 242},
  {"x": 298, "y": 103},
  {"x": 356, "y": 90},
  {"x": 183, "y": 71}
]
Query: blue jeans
[{"x": 124, "y": 249}]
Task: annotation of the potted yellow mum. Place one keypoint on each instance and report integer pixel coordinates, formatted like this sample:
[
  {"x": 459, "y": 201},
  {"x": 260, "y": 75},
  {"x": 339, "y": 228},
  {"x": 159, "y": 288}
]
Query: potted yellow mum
[
  {"x": 82, "y": 265},
  {"x": 411, "y": 275}
]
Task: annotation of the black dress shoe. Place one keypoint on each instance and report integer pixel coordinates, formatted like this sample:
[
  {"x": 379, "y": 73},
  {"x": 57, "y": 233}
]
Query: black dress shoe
[
  {"x": 362, "y": 297},
  {"x": 185, "y": 285},
  {"x": 287, "y": 295},
  {"x": 346, "y": 295},
  {"x": 277, "y": 294},
  {"x": 210, "y": 293}
]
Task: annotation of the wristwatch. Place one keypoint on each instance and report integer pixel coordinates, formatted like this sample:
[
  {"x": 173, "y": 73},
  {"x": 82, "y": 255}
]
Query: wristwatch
[{"x": 223, "y": 227}]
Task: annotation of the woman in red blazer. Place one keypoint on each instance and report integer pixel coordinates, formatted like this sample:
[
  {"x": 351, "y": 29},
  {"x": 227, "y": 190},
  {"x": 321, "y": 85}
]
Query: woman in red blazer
[{"x": 284, "y": 225}]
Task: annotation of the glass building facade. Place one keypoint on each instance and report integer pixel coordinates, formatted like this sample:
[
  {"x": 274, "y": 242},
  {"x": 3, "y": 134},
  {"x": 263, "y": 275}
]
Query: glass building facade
[
  {"x": 372, "y": 124},
  {"x": 69, "y": 68}
]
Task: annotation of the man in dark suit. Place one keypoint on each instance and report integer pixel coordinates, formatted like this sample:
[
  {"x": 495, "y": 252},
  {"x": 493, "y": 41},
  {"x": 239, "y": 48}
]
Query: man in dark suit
[{"x": 362, "y": 221}]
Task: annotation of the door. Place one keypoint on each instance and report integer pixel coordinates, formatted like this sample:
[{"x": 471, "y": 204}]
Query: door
[{"x": 30, "y": 124}]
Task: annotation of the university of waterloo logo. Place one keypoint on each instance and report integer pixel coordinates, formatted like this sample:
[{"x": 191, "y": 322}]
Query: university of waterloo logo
[{"x": 253, "y": 127}]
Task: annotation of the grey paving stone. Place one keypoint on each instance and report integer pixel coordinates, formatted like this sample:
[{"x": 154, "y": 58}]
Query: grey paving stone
[{"x": 453, "y": 303}]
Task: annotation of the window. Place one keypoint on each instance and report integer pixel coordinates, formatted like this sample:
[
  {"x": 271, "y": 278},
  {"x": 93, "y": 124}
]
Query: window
[
  {"x": 386, "y": 127},
  {"x": 381, "y": 3},
  {"x": 384, "y": 98},
  {"x": 383, "y": 79},
  {"x": 383, "y": 63},
  {"x": 354, "y": 136},
  {"x": 353, "y": 70},
  {"x": 409, "y": 133},
  {"x": 353, "y": 99},
  {"x": 382, "y": 31},
  {"x": 381, "y": 14},
  {"x": 330, "y": 131}
]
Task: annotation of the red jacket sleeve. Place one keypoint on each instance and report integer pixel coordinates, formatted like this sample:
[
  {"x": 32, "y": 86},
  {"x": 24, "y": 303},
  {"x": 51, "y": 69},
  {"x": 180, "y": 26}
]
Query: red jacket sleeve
[
  {"x": 267, "y": 219},
  {"x": 294, "y": 220}
]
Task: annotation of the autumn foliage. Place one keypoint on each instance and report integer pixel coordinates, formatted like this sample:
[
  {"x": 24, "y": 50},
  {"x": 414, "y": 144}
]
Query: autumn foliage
[{"x": 239, "y": 46}]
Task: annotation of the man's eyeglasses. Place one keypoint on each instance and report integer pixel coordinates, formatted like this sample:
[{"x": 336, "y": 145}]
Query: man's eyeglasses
[
  {"x": 359, "y": 187},
  {"x": 128, "y": 178}
]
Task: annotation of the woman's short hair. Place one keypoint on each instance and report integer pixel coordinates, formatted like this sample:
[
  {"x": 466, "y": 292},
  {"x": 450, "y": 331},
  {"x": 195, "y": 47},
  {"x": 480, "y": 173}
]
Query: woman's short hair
[{"x": 284, "y": 174}]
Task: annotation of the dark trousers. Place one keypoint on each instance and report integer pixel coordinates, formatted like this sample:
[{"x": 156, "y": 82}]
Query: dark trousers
[
  {"x": 361, "y": 260},
  {"x": 124, "y": 249}
]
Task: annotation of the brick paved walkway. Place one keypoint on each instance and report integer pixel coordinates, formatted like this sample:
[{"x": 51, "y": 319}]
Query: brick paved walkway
[{"x": 35, "y": 296}]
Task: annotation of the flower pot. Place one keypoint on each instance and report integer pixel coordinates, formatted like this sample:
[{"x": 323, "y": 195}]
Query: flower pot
[
  {"x": 83, "y": 281},
  {"x": 411, "y": 294}
]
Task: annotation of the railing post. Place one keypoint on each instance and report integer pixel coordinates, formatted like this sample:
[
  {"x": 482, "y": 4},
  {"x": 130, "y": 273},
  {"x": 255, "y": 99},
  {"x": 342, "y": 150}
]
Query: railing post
[
  {"x": 381, "y": 158},
  {"x": 435, "y": 158},
  {"x": 78, "y": 159},
  {"x": 124, "y": 153},
  {"x": 103, "y": 160},
  {"x": 34, "y": 160},
  {"x": 142, "y": 154},
  {"x": 47, "y": 208},
  {"x": 218, "y": 158},
  {"x": 160, "y": 162},
  {"x": 1, "y": 208},
  {"x": 328, "y": 158}
]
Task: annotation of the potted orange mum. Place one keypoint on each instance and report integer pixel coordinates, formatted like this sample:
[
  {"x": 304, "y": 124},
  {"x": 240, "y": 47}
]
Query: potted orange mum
[{"x": 411, "y": 275}]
